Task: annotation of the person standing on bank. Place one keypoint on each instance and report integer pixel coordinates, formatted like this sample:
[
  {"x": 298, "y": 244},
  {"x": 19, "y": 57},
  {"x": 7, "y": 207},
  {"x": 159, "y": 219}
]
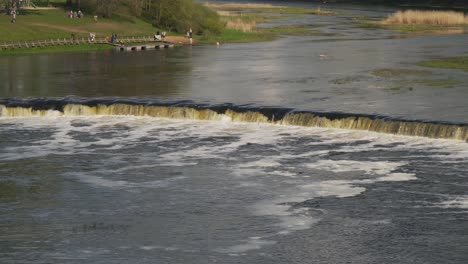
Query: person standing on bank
[
  {"x": 13, "y": 17},
  {"x": 190, "y": 33}
]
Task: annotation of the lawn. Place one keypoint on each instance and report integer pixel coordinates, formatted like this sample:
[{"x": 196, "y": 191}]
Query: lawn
[{"x": 52, "y": 24}]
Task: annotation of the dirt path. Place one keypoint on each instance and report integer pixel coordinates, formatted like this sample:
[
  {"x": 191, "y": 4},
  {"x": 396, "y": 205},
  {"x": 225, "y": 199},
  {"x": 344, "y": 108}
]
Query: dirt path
[
  {"x": 39, "y": 8},
  {"x": 174, "y": 39},
  {"x": 179, "y": 40}
]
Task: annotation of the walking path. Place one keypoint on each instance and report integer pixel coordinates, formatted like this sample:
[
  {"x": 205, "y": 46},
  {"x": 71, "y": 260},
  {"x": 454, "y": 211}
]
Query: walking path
[{"x": 81, "y": 41}]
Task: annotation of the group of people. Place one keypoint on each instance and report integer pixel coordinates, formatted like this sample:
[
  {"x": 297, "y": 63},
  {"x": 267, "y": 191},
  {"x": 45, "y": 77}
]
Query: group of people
[
  {"x": 159, "y": 36},
  {"x": 113, "y": 38},
  {"x": 74, "y": 14}
]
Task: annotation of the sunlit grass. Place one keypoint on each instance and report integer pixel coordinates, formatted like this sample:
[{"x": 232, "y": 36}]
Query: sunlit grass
[
  {"x": 261, "y": 34},
  {"x": 415, "y": 21},
  {"x": 395, "y": 72},
  {"x": 57, "y": 49},
  {"x": 237, "y": 6},
  {"x": 53, "y": 24},
  {"x": 268, "y": 8},
  {"x": 421, "y": 17},
  {"x": 443, "y": 83},
  {"x": 241, "y": 24},
  {"x": 447, "y": 63}
]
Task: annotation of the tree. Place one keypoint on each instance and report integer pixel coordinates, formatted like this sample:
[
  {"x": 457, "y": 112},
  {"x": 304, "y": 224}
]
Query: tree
[{"x": 181, "y": 15}]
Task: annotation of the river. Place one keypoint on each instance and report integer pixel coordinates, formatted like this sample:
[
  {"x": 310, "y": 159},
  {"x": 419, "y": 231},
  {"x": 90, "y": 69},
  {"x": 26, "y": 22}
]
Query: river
[{"x": 329, "y": 148}]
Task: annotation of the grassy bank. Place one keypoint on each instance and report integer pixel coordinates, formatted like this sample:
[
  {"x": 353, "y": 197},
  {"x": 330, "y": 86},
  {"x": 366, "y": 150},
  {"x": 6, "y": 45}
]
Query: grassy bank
[
  {"x": 414, "y": 21},
  {"x": 241, "y": 21},
  {"x": 267, "y": 8},
  {"x": 420, "y": 17},
  {"x": 57, "y": 49},
  {"x": 53, "y": 24},
  {"x": 460, "y": 63},
  {"x": 263, "y": 34}
]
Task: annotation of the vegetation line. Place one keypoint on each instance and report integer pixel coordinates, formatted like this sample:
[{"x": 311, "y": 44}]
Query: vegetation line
[{"x": 422, "y": 17}]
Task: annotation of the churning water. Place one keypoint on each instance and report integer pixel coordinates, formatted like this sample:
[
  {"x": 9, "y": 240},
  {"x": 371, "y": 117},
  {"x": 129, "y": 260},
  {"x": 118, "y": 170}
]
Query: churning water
[
  {"x": 247, "y": 153},
  {"x": 123, "y": 189}
]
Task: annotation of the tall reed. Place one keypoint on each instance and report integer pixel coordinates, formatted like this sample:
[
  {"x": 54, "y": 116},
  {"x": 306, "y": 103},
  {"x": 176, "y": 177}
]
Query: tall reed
[
  {"x": 239, "y": 24},
  {"x": 427, "y": 18},
  {"x": 232, "y": 6}
]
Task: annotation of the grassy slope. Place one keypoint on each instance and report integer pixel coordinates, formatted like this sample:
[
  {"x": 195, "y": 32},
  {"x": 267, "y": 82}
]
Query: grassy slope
[
  {"x": 47, "y": 24},
  {"x": 53, "y": 24},
  {"x": 447, "y": 63}
]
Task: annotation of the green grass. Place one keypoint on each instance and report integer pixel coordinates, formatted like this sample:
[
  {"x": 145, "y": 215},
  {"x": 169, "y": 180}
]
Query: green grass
[
  {"x": 57, "y": 49},
  {"x": 263, "y": 34},
  {"x": 392, "y": 72},
  {"x": 366, "y": 24},
  {"x": 394, "y": 88},
  {"x": 415, "y": 28},
  {"x": 10, "y": 191},
  {"x": 347, "y": 80},
  {"x": 237, "y": 36},
  {"x": 373, "y": 24},
  {"x": 298, "y": 11},
  {"x": 53, "y": 24},
  {"x": 247, "y": 17},
  {"x": 443, "y": 83},
  {"x": 460, "y": 63},
  {"x": 290, "y": 30},
  {"x": 279, "y": 10}
]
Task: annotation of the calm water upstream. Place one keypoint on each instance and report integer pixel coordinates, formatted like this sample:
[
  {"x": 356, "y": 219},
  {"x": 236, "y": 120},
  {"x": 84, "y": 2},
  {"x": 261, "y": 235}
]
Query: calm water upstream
[{"x": 136, "y": 181}]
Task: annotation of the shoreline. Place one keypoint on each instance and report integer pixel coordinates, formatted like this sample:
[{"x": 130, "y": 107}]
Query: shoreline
[{"x": 230, "y": 35}]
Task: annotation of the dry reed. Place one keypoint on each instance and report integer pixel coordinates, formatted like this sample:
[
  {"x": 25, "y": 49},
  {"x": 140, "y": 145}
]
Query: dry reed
[
  {"x": 225, "y": 13},
  {"x": 232, "y": 6},
  {"x": 239, "y": 24},
  {"x": 320, "y": 11},
  {"x": 427, "y": 18}
]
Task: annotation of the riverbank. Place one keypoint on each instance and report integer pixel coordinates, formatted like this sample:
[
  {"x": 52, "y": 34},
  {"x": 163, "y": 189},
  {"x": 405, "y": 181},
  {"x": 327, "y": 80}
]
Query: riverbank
[
  {"x": 420, "y": 4},
  {"x": 53, "y": 23}
]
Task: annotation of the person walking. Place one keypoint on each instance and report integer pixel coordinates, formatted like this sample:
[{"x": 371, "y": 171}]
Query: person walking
[
  {"x": 190, "y": 33},
  {"x": 92, "y": 37},
  {"x": 13, "y": 17}
]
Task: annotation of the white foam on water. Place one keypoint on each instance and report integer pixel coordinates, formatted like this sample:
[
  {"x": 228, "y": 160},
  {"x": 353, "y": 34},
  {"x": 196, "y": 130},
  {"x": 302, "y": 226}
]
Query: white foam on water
[
  {"x": 262, "y": 163},
  {"x": 457, "y": 202},
  {"x": 284, "y": 173},
  {"x": 369, "y": 167},
  {"x": 253, "y": 243},
  {"x": 60, "y": 142},
  {"x": 278, "y": 203},
  {"x": 148, "y": 248},
  {"x": 249, "y": 184},
  {"x": 101, "y": 182},
  {"x": 337, "y": 188},
  {"x": 289, "y": 218},
  {"x": 248, "y": 172},
  {"x": 292, "y": 219},
  {"x": 394, "y": 177}
]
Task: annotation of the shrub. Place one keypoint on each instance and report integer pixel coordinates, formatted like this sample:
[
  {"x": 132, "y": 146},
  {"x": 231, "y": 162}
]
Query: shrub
[{"x": 180, "y": 15}]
